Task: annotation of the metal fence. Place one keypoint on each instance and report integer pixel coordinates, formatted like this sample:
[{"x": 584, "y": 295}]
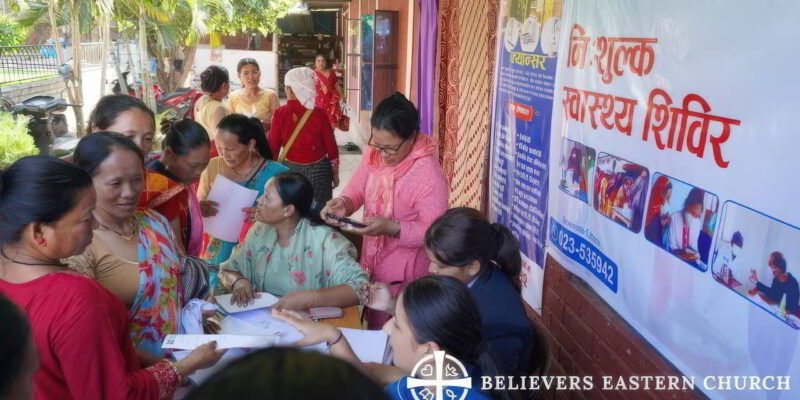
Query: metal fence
[{"x": 23, "y": 63}]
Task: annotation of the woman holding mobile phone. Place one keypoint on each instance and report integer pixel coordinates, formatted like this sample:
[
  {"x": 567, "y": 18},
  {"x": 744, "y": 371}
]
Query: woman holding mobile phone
[{"x": 402, "y": 188}]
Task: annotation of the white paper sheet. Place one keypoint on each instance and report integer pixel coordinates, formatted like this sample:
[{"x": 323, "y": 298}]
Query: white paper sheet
[
  {"x": 263, "y": 301},
  {"x": 369, "y": 346},
  {"x": 201, "y": 375},
  {"x": 231, "y": 325},
  {"x": 191, "y": 342},
  {"x": 232, "y": 197}
]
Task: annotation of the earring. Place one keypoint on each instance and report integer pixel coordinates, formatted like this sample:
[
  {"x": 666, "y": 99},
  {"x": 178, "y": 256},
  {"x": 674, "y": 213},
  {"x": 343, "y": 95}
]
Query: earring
[{"x": 41, "y": 242}]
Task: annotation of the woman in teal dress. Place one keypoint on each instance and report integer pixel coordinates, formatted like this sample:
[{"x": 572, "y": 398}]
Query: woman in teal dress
[
  {"x": 244, "y": 158},
  {"x": 289, "y": 255}
]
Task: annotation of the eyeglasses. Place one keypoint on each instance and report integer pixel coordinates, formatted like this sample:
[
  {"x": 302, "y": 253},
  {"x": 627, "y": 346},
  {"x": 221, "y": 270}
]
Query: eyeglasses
[{"x": 388, "y": 150}]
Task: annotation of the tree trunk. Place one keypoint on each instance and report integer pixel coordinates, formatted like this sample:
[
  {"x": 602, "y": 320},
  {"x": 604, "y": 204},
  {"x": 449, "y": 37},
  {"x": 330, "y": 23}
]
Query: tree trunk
[
  {"x": 51, "y": 8},
  {"x": 147, "y": 89},
  {"x": 106, "y": 49},
  {"x": 77, "y": 81},
  {"x": 173, "y": 80}
]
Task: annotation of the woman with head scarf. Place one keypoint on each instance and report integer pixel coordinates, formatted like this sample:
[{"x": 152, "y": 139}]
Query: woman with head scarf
[{"x": 302, "y": 136}]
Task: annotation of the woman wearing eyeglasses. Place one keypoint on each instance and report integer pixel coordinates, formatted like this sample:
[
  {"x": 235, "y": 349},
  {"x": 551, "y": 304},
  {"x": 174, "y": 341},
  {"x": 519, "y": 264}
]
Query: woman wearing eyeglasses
[{"x": 403, "y": 190}]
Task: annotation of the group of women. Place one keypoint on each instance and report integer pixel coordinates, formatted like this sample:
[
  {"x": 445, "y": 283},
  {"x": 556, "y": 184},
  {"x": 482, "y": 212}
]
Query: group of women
[{"x": 98, "y": 252}]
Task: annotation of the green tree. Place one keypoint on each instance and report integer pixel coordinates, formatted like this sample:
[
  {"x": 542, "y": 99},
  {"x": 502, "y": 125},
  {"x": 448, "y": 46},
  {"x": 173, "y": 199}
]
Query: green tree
[
  {"x": 11, "y": 33},
  {"x": 252, "y": 15}
]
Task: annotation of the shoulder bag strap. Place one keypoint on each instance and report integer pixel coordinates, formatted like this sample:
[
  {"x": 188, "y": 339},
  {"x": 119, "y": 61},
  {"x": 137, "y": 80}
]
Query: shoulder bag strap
[{"x": 296, "y": 132}]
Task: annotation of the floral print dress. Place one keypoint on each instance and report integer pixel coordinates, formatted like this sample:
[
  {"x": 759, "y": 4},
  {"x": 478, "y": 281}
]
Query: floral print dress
[{"x": 317, "y": 257}]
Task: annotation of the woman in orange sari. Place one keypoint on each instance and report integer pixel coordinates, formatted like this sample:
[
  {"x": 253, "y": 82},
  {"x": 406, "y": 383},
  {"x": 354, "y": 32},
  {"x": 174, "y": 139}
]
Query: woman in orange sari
[
  {"x": 130, "y": 117},
  {"x": 172, "y": 190},
  {"x": 328, "y": 94}
]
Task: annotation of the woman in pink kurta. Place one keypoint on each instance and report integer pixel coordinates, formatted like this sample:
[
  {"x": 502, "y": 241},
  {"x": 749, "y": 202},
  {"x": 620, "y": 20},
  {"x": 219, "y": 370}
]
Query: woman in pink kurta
[{"x": 403, "y": 190}]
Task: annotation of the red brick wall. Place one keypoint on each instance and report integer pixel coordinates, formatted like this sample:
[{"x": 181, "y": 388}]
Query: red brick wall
[{"x": 587, "y": 337}]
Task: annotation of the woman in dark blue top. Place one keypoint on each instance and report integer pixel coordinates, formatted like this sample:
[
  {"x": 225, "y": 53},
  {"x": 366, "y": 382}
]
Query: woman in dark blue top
[
  {"x": 436, "y": 321},
  {"x": 486, "y": 257}
]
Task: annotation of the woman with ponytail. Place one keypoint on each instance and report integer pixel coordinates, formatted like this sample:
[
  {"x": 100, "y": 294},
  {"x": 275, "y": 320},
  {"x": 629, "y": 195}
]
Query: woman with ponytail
[
  {"x": 246, "y": 159},
  {"x": 486, "y": 257},
  {"x": 433, "y": 313}
]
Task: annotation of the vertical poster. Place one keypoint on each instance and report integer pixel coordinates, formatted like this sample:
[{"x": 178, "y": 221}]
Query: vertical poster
[
  {"x": 673, "y": 180},
  {"x": 526, "y": 53}
]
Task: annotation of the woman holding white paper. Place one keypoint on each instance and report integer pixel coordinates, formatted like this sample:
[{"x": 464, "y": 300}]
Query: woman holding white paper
[
  {"x": 288, "y": 254},
  {"x": 134, "y": 253},
  {"x": 245, "y": 159}
]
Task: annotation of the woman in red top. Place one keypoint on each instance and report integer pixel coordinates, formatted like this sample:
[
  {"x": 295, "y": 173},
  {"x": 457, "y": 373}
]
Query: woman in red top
[
  {"x": 79, "y": 328},
  {"x": 313, "y": 153},
  {"x": 327, "y": 85}
]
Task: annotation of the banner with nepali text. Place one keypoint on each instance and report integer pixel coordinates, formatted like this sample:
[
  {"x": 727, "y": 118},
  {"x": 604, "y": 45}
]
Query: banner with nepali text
[{"x": 672, "y": 178}]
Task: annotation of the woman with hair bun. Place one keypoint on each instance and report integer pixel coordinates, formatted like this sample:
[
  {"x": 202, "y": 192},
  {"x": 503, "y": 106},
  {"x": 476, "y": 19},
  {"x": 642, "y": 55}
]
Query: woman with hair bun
[
  {"x": 186, "y": 155},
  {"x": 80, "y": 330},
  {"x": 208, "y": 109},
  {"x": 245, "y": 158},
  {"x": 463, "y": 244}
]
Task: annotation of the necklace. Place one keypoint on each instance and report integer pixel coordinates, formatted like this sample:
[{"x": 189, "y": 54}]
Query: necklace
[
  {"x": 15, "y": 261},
  {"x": 245, "y": 175},
  {"x": 129, "y": 237}
]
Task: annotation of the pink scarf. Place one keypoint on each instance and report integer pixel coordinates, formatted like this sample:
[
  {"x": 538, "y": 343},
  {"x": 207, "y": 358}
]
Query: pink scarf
[{"x": 379, "y": 196}]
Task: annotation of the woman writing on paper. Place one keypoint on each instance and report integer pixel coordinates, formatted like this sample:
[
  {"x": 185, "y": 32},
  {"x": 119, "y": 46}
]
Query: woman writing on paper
[
  {"x": 80, "y": 329},
  {"x": 288, "y": 254},
  {"x": 251, "y": 100},
  {"x": 682, "y": 229},
  {"x": 402, "y": 188},
  {"x": 434, "y": 313},
  {"x": 302, "y": 137},
  {"x": 245, "y": 159},
  {"x": 463, "y": 244},
  {"x": 134, "y": 253}
]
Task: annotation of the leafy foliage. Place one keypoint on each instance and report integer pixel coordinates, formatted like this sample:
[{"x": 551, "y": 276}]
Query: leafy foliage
[
  {"x": 15, "y": 142},
  {"x": 11, "y": 33},
  {"x": 252, "y": 15}
]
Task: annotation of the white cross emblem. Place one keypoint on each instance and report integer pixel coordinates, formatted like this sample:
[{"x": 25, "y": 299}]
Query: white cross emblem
[{"x": 438, "y": 381}]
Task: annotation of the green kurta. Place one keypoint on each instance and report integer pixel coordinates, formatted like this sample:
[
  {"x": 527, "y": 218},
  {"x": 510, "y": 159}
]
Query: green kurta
[{"x": 317, "y": 257}]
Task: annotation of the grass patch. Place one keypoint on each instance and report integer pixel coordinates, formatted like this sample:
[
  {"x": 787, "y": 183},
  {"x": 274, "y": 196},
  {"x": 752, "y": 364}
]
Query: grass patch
[{"x": 10, "y": 77}]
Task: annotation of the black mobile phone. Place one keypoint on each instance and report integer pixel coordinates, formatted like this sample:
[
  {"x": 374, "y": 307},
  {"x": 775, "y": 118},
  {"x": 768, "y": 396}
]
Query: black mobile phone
[{"x": 348, "y": 221}]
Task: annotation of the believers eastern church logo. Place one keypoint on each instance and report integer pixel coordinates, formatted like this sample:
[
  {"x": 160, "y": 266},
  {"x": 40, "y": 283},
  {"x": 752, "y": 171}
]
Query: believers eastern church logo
[{"x": 439, "y": 377}]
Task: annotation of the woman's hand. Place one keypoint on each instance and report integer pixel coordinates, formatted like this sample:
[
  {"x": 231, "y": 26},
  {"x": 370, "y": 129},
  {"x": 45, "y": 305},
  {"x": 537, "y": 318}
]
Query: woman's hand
[
  {"x": 378, "y": 226},
  {"x": 335, "y": 181},
  {"x": 243, "y": 292},
  {"x": 379, "y": 297},
  {"x": 203, "y": 356},
  {"x": 250, "y": 213},
  {"x": 314, "y": 332},
  {"x": 209, "y": 208},
  {"x": 336, "y": 207},
  {"x": 296, "y": 301}
]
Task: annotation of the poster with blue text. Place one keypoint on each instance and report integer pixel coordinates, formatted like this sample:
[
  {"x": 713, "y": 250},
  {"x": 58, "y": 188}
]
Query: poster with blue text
[
  {"x": 673, "y": 179},
  {"x": 526, "y": 56}
]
